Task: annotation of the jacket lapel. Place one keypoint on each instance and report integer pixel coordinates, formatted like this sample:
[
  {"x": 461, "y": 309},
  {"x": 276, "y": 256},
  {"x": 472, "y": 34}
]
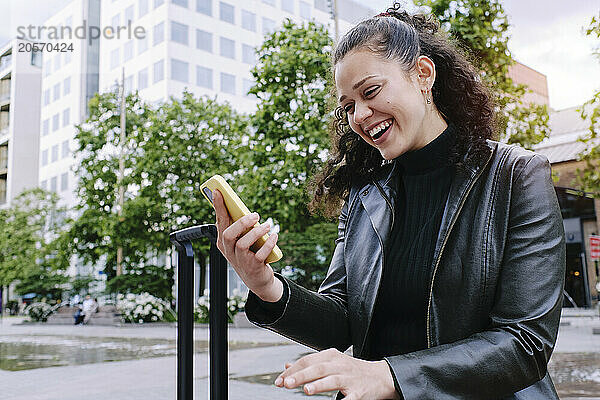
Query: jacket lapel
[{"x": 380, "y": 213}]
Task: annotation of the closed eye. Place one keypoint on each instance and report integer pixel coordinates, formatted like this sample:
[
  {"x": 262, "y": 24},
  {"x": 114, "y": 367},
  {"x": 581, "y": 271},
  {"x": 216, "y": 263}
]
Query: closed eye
[{"x": 371, "y": 91}]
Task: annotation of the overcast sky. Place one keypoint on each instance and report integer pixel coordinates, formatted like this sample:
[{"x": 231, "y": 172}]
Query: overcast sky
[{"x": 546, "y": 35}]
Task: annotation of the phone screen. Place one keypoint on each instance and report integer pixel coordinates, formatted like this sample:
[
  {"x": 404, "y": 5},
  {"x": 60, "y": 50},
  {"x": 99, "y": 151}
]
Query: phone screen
[{"x": 208, "y": 194}]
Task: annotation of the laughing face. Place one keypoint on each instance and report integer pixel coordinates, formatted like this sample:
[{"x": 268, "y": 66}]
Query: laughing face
[{"x": 386, "y": 105}]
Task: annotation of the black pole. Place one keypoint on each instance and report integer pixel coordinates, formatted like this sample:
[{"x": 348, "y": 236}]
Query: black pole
[
  {"x": 218, "y": 324},
  {"x": 185, "y": 322},
  {"x": 218, "y": 313}
]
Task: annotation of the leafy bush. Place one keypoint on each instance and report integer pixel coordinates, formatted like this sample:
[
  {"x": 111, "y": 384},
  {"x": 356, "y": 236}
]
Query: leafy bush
[
  {"x": 38, "y": 312},
  {"x": 140, "y": 308},
  {"x": 235, "y": 304}
]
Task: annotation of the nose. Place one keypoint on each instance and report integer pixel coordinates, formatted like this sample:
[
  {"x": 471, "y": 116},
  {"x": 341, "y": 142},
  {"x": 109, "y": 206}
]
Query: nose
[{"x": 361, "y": 113}]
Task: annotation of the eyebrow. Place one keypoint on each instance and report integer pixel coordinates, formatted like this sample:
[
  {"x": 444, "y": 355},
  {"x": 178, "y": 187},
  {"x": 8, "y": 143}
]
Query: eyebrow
[{"x": 356, "y": 85}]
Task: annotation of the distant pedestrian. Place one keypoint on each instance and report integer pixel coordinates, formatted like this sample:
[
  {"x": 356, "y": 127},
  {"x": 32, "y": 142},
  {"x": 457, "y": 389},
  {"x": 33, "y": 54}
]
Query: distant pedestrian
[
  {"x": 78, "y": 315},
  {"x": 90, "y": 306}
]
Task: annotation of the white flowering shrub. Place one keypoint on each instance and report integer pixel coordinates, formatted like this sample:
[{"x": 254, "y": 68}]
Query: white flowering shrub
[
  {"x": 235, "y": 304},
  {"x": 38, "y": 311},
  {"x": 140, "y": 308}
]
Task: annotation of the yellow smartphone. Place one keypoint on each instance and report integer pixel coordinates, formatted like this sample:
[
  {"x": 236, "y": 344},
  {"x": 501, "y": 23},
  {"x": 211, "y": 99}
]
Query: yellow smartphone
[{"x": 237, "y": 209}]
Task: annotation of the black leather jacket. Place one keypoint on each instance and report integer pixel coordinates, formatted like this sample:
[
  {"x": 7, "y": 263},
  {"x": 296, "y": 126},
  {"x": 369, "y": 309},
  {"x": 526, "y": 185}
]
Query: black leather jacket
[{"x": 495, "y": 291}]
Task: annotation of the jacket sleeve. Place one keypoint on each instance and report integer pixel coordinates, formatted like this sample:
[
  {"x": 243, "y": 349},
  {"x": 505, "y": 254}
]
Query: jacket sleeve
[
  {"x": 513, "y": 352},
  {"x": 318, "y": 320}
]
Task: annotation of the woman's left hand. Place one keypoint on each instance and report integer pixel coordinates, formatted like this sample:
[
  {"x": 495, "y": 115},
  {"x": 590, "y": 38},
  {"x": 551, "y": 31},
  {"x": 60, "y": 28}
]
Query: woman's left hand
[{"x": 330, "y": 370}]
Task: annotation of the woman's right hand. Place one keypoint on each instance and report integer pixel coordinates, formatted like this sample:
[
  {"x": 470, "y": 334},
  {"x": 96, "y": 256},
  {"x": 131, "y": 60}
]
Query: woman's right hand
[{"x": 234, "y": 241}]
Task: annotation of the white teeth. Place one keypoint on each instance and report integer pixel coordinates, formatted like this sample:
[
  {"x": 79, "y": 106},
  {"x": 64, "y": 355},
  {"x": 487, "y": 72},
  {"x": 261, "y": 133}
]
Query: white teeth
[{"x": 379, "y": 128}]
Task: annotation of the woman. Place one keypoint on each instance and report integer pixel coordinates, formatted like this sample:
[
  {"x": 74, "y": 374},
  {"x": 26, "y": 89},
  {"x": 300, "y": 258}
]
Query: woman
[{"x": 447, "y": 274}]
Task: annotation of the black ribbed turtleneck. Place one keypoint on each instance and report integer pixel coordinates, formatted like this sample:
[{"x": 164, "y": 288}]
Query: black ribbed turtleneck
[{"x": 423, "y": 181}]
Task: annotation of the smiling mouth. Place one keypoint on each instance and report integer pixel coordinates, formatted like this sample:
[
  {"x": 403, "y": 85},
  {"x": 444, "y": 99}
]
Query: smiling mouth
[{"x": 381, "y": 129}]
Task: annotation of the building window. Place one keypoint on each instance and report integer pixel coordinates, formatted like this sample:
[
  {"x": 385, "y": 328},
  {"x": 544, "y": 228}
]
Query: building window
[
  {"x": 128, "y": 84},
  {"x": 179, "y": 70},
  {"x": 226, "y": 12},
  {"x": 227, "y": 47},
  {"x": 204, "y": 77},
  {"x": 182, "y": 3},
  {"x": 304, "y": 10},
  {"x": 56, "y": 92},
  {"x": 67, "y": 57},
  {"x": 248, "y": 54},
  {"x": 65, "y": 149},
  {"x": 179, "y": 33},
  {"x": 115, "y": 22},
  {"x": 128, "y": 15},
  {"x": 158, "y": 3},
  {"x": 46, "y": 127},
  {"x": 54, "y": 156},
  {"x": 114, "y": 58},
  {"x": 57, "y": 63},
  {"x": 249, "y": 20},
  {"x": 143, "y": 79},
  {"x": 64, "y": 181},
  {"x": 142, "y": 45},
  {"x": 268, "y": 26},
  {"x": 46, "y": 96},
  {"x": 142, "y": 8},
  {"x": 158, "y": 33},
  {"x": 287, "y": 5},
  {"x": 269, "y": 2},
  {"x": 47, "y": 67},
  {"x": 204, "y": 7},
  {"x": 53, "y": 184},
  {"x": 128, "y": 51},
  {"x": 45, "y": 157},
  {"x": 67, "y": 86},
  {"x": 321, "y": 5},
  {"x": 227, "y": 83},
  {"x": 204, "y": 40},
  {"x": 159, "y": 71},
  {"x": 36, "y": 58},
  {"x": 44, "y": 184},
  {"x": 66, "y": 117},
  {"x": 55, "y": 122},
  {"x": 246, "y": 86}
]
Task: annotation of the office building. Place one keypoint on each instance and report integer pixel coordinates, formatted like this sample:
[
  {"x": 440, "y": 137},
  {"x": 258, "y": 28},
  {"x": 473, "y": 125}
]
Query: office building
[{"x": 20, "y": 79}]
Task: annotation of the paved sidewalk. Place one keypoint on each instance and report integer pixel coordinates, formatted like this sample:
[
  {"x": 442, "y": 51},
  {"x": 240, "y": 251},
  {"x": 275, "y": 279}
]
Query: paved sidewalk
[
  {"x": 151, "y": 378},
  {"x": 154, "y": 378}
]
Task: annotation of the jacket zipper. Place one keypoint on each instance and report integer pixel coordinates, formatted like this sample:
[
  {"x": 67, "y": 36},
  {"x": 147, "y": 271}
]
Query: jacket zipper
[{"x": 439, "y": 257}]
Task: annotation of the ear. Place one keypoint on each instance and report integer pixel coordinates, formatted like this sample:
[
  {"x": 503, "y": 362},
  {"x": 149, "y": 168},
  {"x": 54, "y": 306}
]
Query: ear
[{"x": 425, "y": 69}]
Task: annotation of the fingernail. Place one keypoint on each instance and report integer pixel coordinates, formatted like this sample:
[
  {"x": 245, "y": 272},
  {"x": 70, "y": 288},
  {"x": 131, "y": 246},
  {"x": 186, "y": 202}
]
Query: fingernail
[
  {"x": 278, "y": 381},
  {"x": 308, "y": 389},
  {"x": 290, "y": 381}
]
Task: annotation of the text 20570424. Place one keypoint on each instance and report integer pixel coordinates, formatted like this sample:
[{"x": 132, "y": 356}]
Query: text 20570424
[{"x": 28, "y": 47}]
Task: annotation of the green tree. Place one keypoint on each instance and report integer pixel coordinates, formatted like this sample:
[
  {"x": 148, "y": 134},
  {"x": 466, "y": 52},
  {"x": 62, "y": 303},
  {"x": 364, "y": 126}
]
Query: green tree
[
  {"x": 169, "y": 151},
  {"x": 482, "y": 28},
  {"x": 32, "y": 242},
  {"x": 289, "y": 129},
  {"x": 589, "y": 177},
  {"x": 288, "y": 142}
]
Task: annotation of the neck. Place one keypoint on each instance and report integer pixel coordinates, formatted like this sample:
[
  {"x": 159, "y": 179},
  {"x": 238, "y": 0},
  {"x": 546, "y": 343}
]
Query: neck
[{"x": 433, "y": 127}]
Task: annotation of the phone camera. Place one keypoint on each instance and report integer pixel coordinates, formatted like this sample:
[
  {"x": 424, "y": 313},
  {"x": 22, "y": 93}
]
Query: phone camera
[{"x": 208, "y": 194}]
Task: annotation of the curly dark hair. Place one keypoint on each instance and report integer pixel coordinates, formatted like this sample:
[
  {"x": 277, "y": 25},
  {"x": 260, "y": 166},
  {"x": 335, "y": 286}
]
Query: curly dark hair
[{"x": 458, "y": 93}]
